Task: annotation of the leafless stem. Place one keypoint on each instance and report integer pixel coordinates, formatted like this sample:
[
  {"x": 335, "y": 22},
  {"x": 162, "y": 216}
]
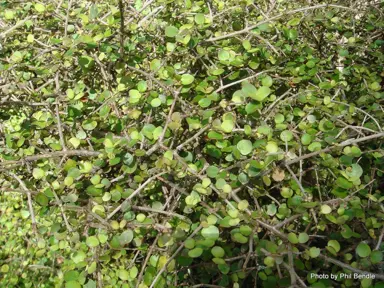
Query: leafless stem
[
  {"x": 173, "y": 256},
  {"x": 380, "y": 239},
  {"x": 84, "y": 153},
  {"x": 245, "y": 30},
  {"x": 137, "y": 191},
  {"x": 29, "y": 200},
  {"x": 67, "y": 18}
]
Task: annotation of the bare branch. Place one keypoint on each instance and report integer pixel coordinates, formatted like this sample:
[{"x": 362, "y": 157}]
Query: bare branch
[
  {"x": 84, "y": 153},
  {"x": 147, "y": 209},
  {"x": 137, "y": 191},
  {"x": 29, "y": 200},
  {"x": 18, "y": 24},
  {"x": 173, "y": 256},
  {"x": 241, "y": 80},
  {"x": 245, "y": 30}
]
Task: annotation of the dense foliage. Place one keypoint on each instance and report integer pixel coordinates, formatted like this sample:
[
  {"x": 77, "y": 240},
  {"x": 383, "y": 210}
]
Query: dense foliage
[{"x": 176, "y": 143}]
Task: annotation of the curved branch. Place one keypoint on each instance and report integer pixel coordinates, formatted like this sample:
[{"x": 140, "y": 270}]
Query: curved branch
[
  {"x": 245, "y": 30},
  {"x": 84, "y": 153}
]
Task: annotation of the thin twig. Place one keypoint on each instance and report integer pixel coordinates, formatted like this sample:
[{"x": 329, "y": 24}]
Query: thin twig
[
  {"x": 286, "y": 221},
  {"x": 241, "y": 80},
  {"x": 62, "y": 142},
  {"x": 362, "y": 111},
  {"x": 297, "y": 181},
  {"x": 137, "y": 191},
  {"x": 173, "y": 256},
  {"x": 18, "y": 24},
  {"x": 84, "y": 153},
  {"x": 67, "y": 18},
  {"x": 60, "y": 203},
  {"x": 380, "y": 239},
  {"x": 339, "y": 145},
  {"x": 147, "y": 209},
  {"x": 245, "y": 30},
  {"x": 29, "y": 200},
  {"x": 146, "y": 260},
  {"x": 201, "y": 131},
  {"x": 121, "y": 9}
]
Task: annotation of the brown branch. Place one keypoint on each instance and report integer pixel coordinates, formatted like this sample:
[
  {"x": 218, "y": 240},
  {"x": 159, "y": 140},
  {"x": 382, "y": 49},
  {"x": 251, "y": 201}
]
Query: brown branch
[
  {"x": 380, "y": 239},
  {"x": 348, "y": 267},
  {"x": 286, "y": 221},
  {"x": 146, "y": 260},
  {"x": 60, "y": 204},
  {"x": 147, "y": 209},
  {"x": 201, "y": 131},
  {"x": 84, "y": 153},
  {"x": 2, "y": 35},
  {"x": 67, "y": 18},
  {"x": 291, "y": 267},
  {"x": 362, "y": 111},
  {"x": 297, "y": 181},
  {"x": 121, "y": 8},
  {"x": 137, "y": 191},
  {"x": 339, "y": 145},
  {"x": 173, "y": 256},
  {"x": 62, "y": 142},
  {"x": 241, "y": 80},
  {"x": 29, "y": 200},
  {"x": 245, "y": 30}
]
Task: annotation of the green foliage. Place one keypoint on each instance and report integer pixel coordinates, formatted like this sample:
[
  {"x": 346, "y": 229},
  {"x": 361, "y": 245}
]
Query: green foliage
[{"x": 164, "y": 141}]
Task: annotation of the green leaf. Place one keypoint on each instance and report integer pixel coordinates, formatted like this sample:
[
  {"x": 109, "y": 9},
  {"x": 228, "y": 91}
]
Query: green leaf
[
  {"x": 272, "y": 147},
  {"x": 92, "y": 241},
  {"x": 187, "y": 79},
  {"x": 212, "y": 171},
  {"x": 314, "y": 252},
  {"x": 42, "y": 199},
  {"x": 89, "y": 124},
  {"x": 134, "y": 96},
  {"x": 38, "y": 173},
  {"x": 262, "y": 93},
  {"x": 199, "y": 18},
  {"x": 39, "y": 7},
  {"x": 363, "y": 250},
  {"x": 315, "y": 146},
  {"x": 249, "y": 90},
  {"x": 195, "y": 253},
  {"x": 293, "y": 238},
  {"x": 240, "y": 238},
  {"x": 78, "y": 257},
  {"x": 126, "y": 237},
  {"x": 244, "y": 146},
  {"x": 306, "y": 139},
  {"x": 223, "y": 55},
  {"x": 354, "y": 172},
  {"x": 123, "y": 275},
  {"x": 74, "y": 142},
  {"x": 267, "y": 81},
  {"x": 210, "y": 232},
  {"x": 171, "y": 31},
  {"x": 218, "y": 252},
  {"x": 227, "y": 126},
  {"x": 205, "y": 102},
  {"x": 376, "y": 256},
  {"x": 294, "y": 22},
  {"x": 334, "y": 244},
  {"x": 286, "y": 135},
  {"x": 303, "y": 237},
  {"x": 343, "y": 183},
  {"x": 156, "y": 102},
  {"x": 325, "y": 209},
  {"x": 269, "y": 261}
]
